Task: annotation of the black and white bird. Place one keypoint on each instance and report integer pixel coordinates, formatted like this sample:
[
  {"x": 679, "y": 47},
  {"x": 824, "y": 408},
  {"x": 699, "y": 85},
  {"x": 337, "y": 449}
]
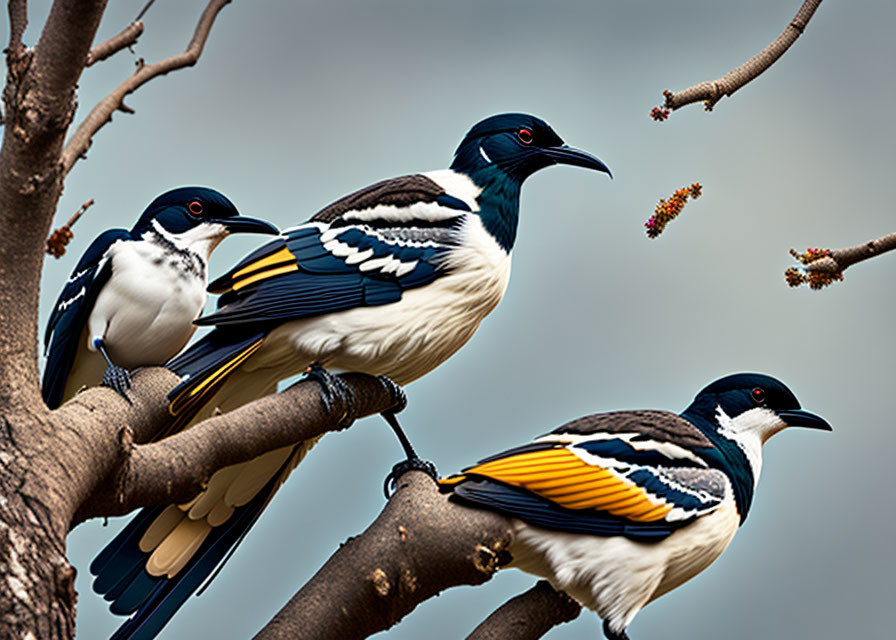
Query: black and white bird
[
  {"x": 390, "y": 280},
  {"x": 133, "y": 296},
  {"x": 618, "y": 508}
]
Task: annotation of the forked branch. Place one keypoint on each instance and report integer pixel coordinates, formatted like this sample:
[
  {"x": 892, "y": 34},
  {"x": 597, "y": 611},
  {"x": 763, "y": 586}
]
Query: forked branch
[{"x": 102, "y": 112}]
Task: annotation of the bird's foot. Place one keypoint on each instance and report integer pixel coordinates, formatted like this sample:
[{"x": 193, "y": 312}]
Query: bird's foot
[
  {"x": 332, "y": 391},
  {"x": 117, "y": 378},
  {"x": 411, "y": 464},
  {"x": 613, "y": 635},
  {"x": 396, "y": 392}
]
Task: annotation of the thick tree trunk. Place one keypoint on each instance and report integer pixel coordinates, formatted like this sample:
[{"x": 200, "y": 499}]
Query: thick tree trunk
[{"x": 37, "y": 595}]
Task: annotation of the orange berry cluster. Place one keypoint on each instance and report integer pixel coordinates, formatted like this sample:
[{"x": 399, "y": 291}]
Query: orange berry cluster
[
  {"x": 815, "y": 279},
  {"x": 811, "y": 255},
  {"x": 58, "y": 240},
  {"x": 668, "y": 210}
]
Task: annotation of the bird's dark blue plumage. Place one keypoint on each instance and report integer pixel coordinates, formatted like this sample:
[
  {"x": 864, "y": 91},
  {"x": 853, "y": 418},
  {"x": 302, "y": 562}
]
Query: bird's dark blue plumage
[
  {"x": 70, "y": 313},
  {"x": 499, "y": 153},
  {"x": 619, "y": 508},
  {"x": 390, "y": 280},
  {"x": 124, "y": 279}
]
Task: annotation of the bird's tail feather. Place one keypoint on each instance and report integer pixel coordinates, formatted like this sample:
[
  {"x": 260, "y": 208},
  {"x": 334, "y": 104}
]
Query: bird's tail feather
[
  {"x": 205, "y": 368},
  {"x": 153, "y": 600}
]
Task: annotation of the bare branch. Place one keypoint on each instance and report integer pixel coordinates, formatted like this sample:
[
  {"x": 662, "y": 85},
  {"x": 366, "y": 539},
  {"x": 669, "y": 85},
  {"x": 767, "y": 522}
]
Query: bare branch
[
  {"x": 421, "y": 543},
  {"x": 712, "y": 92},
  {"x": 175, "y": 468},
  {"x": 102, "y": 112},
  {"x": 529, "y": 615},
  {"x": 825, "y": 266},
  {"x": 18, "y": 22},
  {"x": 116, "y": 43}
]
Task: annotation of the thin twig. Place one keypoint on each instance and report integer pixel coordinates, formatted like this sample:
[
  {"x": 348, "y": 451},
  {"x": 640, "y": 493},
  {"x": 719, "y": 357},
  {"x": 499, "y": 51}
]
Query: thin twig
[
  {"x": 712, "y": 92},
  {"x": 102, "y": 112},
  {"x": 59, "y": 239},
  {"x": 144, "y": 10},
  {"x": 116, "y": 43},
  {"x": 825, "y": 266}
]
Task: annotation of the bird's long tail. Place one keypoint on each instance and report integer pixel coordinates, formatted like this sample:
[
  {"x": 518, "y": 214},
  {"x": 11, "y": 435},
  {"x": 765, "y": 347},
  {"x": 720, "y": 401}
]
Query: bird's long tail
[{"x": 165, "y": 554}]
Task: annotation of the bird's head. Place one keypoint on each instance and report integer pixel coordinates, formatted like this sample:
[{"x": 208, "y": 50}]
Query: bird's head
[
  {"x": 198, "y": 218},
  {"x": 751, "y": 406},
  {"x": 517, "y": 145}
]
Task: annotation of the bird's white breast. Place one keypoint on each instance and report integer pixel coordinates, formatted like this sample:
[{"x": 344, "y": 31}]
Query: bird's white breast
[
  {"x": 405, "y": 339},
  {"x": 145, "y": 313},
  {"x": 615, "y": 576}
]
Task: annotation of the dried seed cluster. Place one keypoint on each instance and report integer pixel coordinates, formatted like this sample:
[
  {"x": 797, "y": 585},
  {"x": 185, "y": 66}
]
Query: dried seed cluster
[{"x": 668, "y": 210}]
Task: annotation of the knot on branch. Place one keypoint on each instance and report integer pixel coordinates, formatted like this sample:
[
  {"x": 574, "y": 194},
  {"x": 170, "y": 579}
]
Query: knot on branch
[
  {"x": 65, "y": 583},
  {"x": 488, "y": 561},
  {"x": 380, "y": 581},
  {"x": 126, "y": 448}
]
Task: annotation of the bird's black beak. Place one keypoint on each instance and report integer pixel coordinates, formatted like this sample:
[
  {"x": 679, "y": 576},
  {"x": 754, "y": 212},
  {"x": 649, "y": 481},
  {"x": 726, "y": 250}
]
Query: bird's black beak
[
  {"x": 564, "y": 154},
  {"x": 800, "y": 418},
  {"x": 242, "y": 224}
]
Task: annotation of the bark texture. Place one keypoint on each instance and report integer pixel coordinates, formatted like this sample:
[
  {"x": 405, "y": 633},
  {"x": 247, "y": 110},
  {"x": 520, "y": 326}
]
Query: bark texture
[{"x": 421, "y": 544}]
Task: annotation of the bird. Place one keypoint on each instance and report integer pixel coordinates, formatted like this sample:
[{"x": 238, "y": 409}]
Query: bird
[
  {"x": 390, "y": 280},
  {"x": 133, "y": 295},
  {"x": 617, "y": 509}
]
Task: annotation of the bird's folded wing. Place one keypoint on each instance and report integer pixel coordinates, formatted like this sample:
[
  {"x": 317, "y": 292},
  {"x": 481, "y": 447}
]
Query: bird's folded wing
[
  {"x": 71, "y": 311},
  {"x": 604, "y": 484},
  {"x": 318, "y": 268}
]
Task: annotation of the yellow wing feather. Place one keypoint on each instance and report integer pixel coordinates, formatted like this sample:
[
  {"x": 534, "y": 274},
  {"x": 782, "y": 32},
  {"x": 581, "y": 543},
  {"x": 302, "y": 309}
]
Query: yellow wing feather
[{"x": 567, "y": 480}]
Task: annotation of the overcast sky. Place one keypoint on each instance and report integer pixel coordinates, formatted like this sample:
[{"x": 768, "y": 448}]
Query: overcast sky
[{"x": 295, "y": 104}]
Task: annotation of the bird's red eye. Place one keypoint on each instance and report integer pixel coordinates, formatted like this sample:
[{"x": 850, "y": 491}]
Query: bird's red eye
[
  {"x": 758, "y": 395},
  {"x": 195, "y": 208},
  {"x": 525, "y": 136}
]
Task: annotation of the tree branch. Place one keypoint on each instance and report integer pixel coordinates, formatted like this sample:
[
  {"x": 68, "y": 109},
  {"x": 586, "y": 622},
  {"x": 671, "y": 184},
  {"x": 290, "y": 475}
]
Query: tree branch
[
  {"x": 174, "y": 469},
  {"x": 116, "y": 43},
  {"x": 102, "y": 112},
  {"x": 825, "y": 266},
  {"x": 421, "y": 543},
  {"x": 712, "y": 92},
  {"x": 18, "y": 22},
  {"x": 529, "y": 615},
  {"x": 40, "y": 100}
]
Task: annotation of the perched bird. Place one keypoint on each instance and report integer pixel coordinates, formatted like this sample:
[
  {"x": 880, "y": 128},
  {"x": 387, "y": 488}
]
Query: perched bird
[
  {"x": 390, "y": 280},
  {"x": 133, "y": 296},
  {"x": 618, "y": 508}
]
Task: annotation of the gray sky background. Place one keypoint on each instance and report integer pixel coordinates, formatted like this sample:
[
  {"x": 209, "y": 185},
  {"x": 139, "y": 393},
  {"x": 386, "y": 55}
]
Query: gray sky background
[{"x": 295, "y": 104}]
